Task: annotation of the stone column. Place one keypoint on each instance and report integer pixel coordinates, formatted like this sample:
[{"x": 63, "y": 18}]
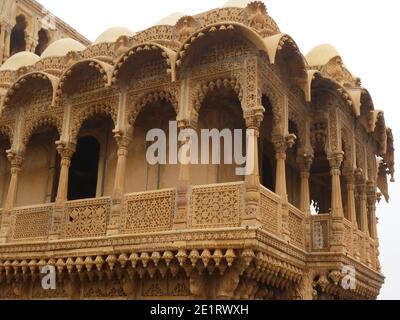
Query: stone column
[
  {"x": 7, "y": 43},
  {"x": 364, "y": 240},
  {"x": 253, "y": 118},
  {"x": 305, "y": 163},
  {"x": 16, "y": 165},
  {"x": 66, "y": 151},
  {"x": 337, "y": 243},
  {"x": 362, "y": 189},
  {"x": 183, "y": 188},
  {"x": 281, "y": 144},
  {"x": 119, "y": 183},
  {"x": 350, "y": 186},
  {"x": 2, "y": 40},
  {"x": 371, "y": 205}
]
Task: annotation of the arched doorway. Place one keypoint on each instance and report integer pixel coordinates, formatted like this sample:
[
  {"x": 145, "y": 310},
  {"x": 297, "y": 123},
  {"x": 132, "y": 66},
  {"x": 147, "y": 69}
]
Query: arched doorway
[
  {"x": 17, "y": 41},
  {"x": 43, "y": 41},
  {"x": 83, "y": 173},
  {"x": 93, "y": 164},
  {"x": 221, "y": 109},
  {"x": 141, "y": 174},
  {"x": 40, "y": 169}
]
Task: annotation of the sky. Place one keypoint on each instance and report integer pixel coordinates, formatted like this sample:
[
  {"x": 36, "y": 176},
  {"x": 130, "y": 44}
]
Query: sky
[{"x": 365, "y": 32}]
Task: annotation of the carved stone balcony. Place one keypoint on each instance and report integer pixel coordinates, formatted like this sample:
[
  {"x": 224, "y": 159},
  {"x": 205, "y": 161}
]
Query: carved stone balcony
[{"x": 276, "y": 252}]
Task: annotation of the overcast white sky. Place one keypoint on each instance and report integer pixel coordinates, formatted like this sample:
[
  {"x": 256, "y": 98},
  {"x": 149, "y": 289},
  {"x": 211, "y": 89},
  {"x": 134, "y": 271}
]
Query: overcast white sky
[{"x": 365, "y": 32}]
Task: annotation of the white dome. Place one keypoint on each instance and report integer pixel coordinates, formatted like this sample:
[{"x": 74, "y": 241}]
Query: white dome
[
  {"x": 237, "y": 3},
  {"x": 61, "y": 47},
  {"x": 321, "y": 55},
  {"x": 171, "y": 19},
  {"x": 18, "y": 60},
  {"x": 112, "y": 34}
]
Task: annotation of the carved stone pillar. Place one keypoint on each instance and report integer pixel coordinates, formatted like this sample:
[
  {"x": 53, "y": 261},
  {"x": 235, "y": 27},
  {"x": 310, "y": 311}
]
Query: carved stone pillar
[
  {"x": 350, "y": 186},
  {"x": 183, "y": 188},
  {"x": 119, "y": 183},
  {"x": 252, "y": 180},
  {"x": 305, "y": 163},
  {"x": 335, "y": 161},
  {"x": 362, "y": 190},
  {"x": 281, "y": 144},
  {"x": 7, "y": 43},
  {"x": 16, "y": 165},
  {"x": 371, "y": 208},
  {"x": 66, "y": 151},
  {"x": 2, "y": 41}
]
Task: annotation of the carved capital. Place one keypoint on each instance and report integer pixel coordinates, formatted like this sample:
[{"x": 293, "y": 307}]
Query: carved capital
[
  {"x": 66, "y": 151},
  {"x": 305, "y": 161},
  {"x": 336, "y": 160},
  {"x": 16, "y": 161},
  {"x": 282, "y": 143},
  {"x": 254, "y": 117},
  {"x": 122, "y": 140}
]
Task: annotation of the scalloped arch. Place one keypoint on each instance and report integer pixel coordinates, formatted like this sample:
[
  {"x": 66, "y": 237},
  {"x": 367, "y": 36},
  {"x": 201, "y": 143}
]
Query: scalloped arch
[
  {"x": 168, "y": 54},
  {"x": 103, "y": 68},
  {"x": 53, "y": 80}
]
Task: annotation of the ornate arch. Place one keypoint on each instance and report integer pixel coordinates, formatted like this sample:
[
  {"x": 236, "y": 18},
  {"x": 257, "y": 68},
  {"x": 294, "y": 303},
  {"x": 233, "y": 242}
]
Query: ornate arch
[
  {"x": 320, "y": 83},
  {"x": 21, "y": 82},
  {"x": 168, "y": 54},
  {"x": 79, "y": 117},
  {"x": 201, "y": 89},
  {"x": 245, "y": 31},
  {"x": 32, "y": 125},
  {"x": 104, "y": 69},
  {"x": 140, "y": 102}
]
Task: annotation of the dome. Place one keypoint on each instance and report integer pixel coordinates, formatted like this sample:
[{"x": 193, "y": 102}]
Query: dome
[
  {"x": 171, "y": 19},
  {"x": 321, "y": 55},
  {"x": 20, "y": 59},
  {"x": 61, "y": 47},
  {"x": 112, "y": 34},
  {"x": 237, "y": 3}
]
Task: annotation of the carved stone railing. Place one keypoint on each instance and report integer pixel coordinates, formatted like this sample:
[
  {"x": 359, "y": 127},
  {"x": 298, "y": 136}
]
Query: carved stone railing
[
  {"x": 148, "y": 211},
  {"x": 216, "y": 206},
  {"x": 320, "y": 231},
  {"x": 86, "y": 218},
  {"x": 269, "y": 210},
  {"x": 296, "y": 227},
  {"x": 348, "y": 237},
  {"x": 361, "y": 246},
  {"x": 31, "y": 223}
]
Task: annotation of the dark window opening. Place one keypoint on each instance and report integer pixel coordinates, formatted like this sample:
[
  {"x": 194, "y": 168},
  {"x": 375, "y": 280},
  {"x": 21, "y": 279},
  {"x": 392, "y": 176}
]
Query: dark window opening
[
  {"x": 320, "y": 182},
  {"x": 17, "y": 41},
  {"x": 83, "y": 173},
  {"x": 268, "y": 165},
  {"x": 43, "y": 42},
  {"x": 267, "y": 161}
]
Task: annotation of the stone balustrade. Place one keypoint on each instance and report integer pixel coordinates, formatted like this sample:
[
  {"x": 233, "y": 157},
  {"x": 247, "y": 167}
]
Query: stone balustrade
[{"x": 216, "y": 206}]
